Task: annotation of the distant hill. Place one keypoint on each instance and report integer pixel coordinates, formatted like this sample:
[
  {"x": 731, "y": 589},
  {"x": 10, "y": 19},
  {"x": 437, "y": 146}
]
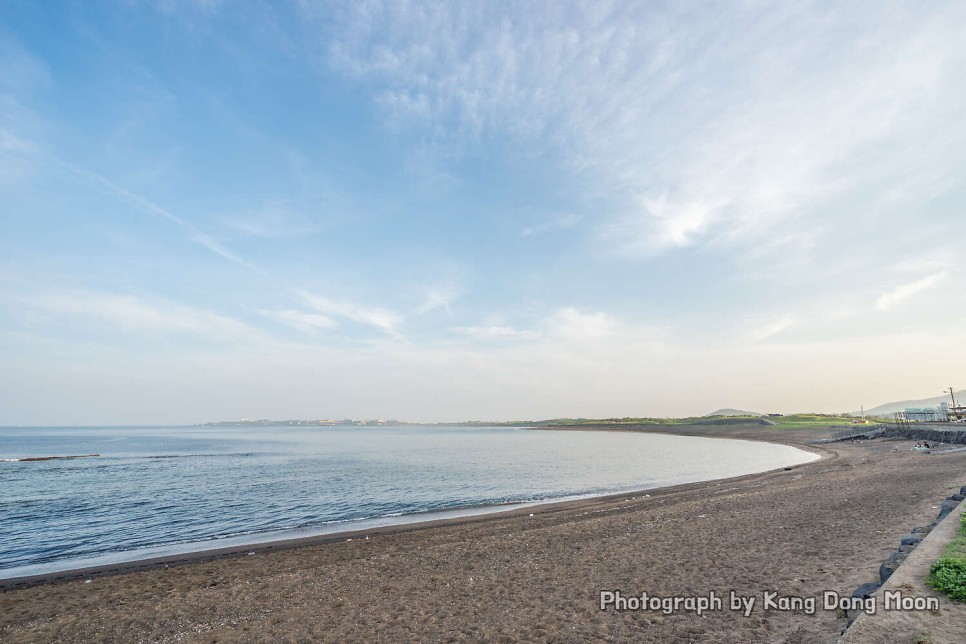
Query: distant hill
[
  {"x": 890, "y": 408},
  {"x": 732, "y": 412}
]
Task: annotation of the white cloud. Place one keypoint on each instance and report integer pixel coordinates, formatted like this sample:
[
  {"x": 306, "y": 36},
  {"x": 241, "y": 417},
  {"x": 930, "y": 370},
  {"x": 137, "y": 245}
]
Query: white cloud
[
  {"x": 891, "y": 298},
  {"x": 173, "y": 6},
  {"x": 20, "y": 71},
  {"x": 16, "y": 157},
  {"x": 732, "y": 123},
  {"x": 9, "y": 142},
  {"x": 308, "y": 323},
  {"x": 22, "y": 77},
  {"x": 275, "y": 221},
  {"x": 572, "y": 324},
  {"x": 786, "y": 148},
  {"x": 377, "y": 317},
  {"x": 138, "y": 315},
  {"x": 194, "y": 233},
  {"x": 668, "y": 224},
  {"x": 439, "y": 296},
  {"x": 567, "y": 327},
  {"x": 772, "y": 328},
  {"x": 562, "y": 222},
  {"x": 496, "y": 332}
]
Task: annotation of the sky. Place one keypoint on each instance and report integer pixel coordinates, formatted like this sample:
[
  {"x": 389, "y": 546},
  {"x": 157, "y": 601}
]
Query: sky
[{"x": 441, "y": 211}]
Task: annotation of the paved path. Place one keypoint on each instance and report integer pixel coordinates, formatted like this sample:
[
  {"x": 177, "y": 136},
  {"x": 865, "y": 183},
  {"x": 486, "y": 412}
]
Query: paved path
[{"x": 945, "y": 626}]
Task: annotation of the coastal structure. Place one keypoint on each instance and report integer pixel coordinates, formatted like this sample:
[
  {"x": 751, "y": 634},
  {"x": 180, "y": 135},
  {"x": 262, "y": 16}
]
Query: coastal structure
[
  {"x": 956, "y": 413},
  {"x": 927, "y": 414},
  {"x": 943, "y": 413}
]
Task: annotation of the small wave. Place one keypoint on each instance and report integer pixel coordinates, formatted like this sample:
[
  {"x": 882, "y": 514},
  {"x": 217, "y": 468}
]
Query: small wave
[
  {"x": 134, "y": 457},
  {"x": 31, "y": 459},
  {"x": 215, "y": 455}
]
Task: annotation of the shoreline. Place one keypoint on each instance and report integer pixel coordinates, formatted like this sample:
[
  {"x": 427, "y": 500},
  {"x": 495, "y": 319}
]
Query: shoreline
[
  {"x": 822, "y": 526},
  {"x": 383, "y": 526}
]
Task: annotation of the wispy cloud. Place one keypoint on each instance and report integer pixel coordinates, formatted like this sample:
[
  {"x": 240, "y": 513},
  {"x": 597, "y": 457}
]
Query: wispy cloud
[
  {"x": 377, "y": 317},
  {"x": 140, "y": 315},
  {"x": 568, "y": 325},
  {"x": 276, "y": 221},
  {"x": 202, "y": 6},
  {"x": 575, "y": 325},
  {"x": 9, "y": 142},
  {"x": 22, "y": 76},
  {"x": 736, "y": 141},
  {"x": 16, "y": 155},
  {"x": 891, "y": 298},
  {"x": 20, "y": 68},
  {"x": 439, "y": 296},
  {"x": 667, "y": 224},
  {"x": 194, "y": 233},
  {"x": 772, "y": 328},
  {"x": 562, "y": 222},
  {"x": 308, "y": 323},
  {"x": 497, "y": 332},
  {"x": 380, "y": 318}
]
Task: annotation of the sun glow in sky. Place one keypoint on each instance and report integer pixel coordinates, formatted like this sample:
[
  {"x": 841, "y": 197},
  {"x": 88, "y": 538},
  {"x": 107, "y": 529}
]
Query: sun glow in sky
[{"x": 477, "y": 210}]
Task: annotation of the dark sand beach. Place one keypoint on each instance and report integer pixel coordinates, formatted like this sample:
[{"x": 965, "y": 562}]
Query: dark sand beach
[{"x": 822, "y": 526}]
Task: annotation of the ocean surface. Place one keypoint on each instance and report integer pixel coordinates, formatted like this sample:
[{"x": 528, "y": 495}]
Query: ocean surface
[{"x": 162, "y": 490}]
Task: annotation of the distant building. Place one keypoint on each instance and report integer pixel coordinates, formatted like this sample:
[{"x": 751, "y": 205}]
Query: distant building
[{"x": 928, "y": 414}]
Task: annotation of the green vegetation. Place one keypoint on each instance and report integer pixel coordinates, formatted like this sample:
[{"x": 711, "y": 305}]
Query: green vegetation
[
  {"x": 948, "y": 574},
  {"x": 794, "y": 421},
  {"x": 596, "y": 422},
  {"x": 791, "y": 422}
]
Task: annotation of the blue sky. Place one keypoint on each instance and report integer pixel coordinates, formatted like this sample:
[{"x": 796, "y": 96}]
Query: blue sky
[{"x": 446, "y": 211}]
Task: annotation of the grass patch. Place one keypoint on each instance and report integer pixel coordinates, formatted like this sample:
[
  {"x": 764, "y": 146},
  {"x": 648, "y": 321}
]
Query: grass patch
[
  {"x": 948, "y": 574},
  {"x": 791, "y": 421},
  {"x": 794, "y": 421}
]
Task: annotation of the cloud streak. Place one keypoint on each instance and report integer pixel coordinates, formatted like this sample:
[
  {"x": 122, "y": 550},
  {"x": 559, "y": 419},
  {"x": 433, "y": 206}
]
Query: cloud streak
[
  {"x": 379, "y": 318},
  {"x": 562, "y": 222},
  {"x": 194, "y": 233},
  {"x": 439, "y": 297},
  {"x": 307, "y": 323},
  {"x": 273, "y": 223},
  {"x": 773, "y": 328},
  {"x": 892, "y": 298},
  {"x": 141, "y": 316}
]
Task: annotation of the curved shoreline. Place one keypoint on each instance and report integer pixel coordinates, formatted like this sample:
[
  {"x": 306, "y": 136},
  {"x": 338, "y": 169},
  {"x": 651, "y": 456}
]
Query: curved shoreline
[
  {"x": 242, "y": 546},
  {"x": 824, "y": 525}
]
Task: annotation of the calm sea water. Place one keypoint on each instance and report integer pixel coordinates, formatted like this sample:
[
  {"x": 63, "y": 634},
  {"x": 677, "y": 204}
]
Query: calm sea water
[{"x": 160, "y": 490}]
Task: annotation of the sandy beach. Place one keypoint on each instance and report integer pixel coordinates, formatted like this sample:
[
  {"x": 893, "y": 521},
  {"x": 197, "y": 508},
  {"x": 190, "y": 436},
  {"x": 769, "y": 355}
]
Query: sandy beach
[{"x": 822, "y": 526}]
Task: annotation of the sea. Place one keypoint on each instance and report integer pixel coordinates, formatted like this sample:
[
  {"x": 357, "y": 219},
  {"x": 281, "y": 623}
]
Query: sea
[{"x": 155, "y": 491}]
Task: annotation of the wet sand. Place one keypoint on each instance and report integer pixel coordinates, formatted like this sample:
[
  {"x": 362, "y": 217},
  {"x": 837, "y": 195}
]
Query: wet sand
[{"x": 822, "y": 526}]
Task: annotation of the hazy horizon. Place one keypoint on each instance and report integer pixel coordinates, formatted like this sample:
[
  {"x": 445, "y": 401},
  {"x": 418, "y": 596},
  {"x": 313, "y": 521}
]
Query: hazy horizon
[
  {"x": 425, "y": 421},
  {"x": 451, "y": 211}
]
